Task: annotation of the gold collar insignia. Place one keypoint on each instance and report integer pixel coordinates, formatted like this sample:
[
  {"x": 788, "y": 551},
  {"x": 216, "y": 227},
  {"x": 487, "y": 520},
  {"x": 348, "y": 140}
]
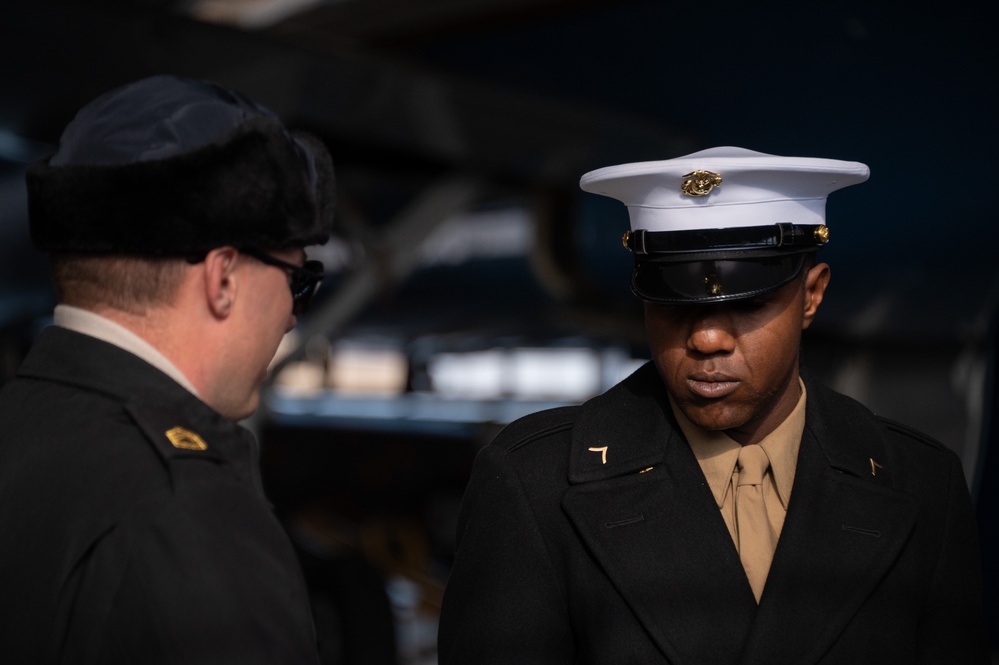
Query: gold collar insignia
[{"x": 185, "y": 439}]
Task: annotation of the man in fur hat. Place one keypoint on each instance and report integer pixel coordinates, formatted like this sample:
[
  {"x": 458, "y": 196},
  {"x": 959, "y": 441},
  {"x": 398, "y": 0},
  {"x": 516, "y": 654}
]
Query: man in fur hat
[{"x": 135, "y": 525}]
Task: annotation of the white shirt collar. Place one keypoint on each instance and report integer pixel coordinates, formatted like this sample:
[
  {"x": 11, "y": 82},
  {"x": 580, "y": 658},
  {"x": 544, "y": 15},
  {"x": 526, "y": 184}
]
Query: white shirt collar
[{"x": 88, "y": 323}]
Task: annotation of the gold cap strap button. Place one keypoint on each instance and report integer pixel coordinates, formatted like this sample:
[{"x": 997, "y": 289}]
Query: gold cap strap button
[{"x": 821, "y": 234}]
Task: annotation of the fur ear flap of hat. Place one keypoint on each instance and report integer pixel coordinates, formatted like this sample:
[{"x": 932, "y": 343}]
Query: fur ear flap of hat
[{"x": 256, "y": 185}]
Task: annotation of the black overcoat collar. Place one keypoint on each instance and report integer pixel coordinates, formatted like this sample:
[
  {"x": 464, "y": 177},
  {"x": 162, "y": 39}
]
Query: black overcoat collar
[
  {"x": 650, "y": 520},
  {"x": 151, "y": 399},
  {"x": 66, "y": 356}
]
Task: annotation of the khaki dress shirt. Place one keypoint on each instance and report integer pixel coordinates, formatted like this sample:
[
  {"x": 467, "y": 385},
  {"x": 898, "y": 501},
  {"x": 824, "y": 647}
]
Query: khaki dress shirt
[{"x": 717, "y": 454}]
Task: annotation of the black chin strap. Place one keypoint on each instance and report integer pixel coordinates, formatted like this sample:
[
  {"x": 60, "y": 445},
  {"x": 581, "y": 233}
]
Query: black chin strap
[{"x": 705, "y": 240}]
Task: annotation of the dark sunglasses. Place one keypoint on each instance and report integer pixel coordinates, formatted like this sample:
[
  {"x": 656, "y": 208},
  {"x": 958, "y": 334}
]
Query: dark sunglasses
[{"x": 304, "y": 282}]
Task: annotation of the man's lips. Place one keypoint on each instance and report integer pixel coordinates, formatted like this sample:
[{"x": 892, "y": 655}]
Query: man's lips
[{"x": 712, "y": 385}]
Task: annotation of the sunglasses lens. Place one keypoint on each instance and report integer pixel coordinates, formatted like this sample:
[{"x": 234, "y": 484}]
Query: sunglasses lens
[
  {"x": 304, "y": 280},
  {"x": 304, "y": 284}
]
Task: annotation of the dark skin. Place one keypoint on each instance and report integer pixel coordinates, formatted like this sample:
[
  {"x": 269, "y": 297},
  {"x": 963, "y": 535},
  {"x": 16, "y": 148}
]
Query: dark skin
[{"x": 734, "y": 366}]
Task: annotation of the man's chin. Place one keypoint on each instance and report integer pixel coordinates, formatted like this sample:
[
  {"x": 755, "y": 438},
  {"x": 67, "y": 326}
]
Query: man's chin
[
  {"x": 714, "y": 416},
  {"x": 249, "y": 411},
  {"x": 242, "y": 411}
]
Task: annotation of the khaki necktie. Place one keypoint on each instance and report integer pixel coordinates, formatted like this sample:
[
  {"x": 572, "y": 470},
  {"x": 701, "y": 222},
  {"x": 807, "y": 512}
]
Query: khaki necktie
[{"x": 757, "y": 540}]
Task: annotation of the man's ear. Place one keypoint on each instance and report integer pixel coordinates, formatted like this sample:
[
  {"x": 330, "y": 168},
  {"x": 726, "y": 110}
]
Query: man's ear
[
  {"x": 816, "y": 282},
  {"x": 220, "y": 280}
]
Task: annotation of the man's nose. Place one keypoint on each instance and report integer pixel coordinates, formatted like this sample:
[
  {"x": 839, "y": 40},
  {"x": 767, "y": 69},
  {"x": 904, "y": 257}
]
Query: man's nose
[{"x": 711, "y": 333}]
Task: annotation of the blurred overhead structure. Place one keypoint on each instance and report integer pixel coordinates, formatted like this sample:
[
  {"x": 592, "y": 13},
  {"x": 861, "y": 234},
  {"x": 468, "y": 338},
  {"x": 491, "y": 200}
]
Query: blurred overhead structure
[
  {"x": 387, "y": 109},
  {"x": 312, "y": 21},
  {"x": 397, "y": 129}
]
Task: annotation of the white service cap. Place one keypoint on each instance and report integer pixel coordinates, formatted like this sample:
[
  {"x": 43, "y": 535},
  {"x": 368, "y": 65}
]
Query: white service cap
[
  {"x": 722, "y": 224},
  {"x": 724, "y": 188}
]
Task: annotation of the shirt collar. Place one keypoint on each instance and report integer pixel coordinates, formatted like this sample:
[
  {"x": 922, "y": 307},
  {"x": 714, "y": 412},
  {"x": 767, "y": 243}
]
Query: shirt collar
[
  {"x": 89, "y": 323},
  {"x": 717, "y": 453}
]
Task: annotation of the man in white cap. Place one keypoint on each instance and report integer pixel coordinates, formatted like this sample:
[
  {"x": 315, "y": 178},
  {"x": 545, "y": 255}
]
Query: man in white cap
[
  {"x": 716, "y": 506},
  {"x": 135, "y": 525}
]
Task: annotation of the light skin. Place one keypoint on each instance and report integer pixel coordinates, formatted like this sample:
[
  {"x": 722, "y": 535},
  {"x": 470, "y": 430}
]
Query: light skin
[
  {"x": 223, "y": 327},
  {"x": 734, "y": 366}
]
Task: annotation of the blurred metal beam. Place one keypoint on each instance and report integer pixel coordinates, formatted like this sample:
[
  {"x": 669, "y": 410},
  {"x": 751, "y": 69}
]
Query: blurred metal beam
[
  {"x": 69, "y": 53},
  {"x": 389, "y": 261},
  {"x": 405, "y": 21}
]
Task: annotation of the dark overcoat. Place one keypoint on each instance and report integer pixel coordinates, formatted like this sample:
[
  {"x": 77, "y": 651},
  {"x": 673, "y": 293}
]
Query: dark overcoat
[
  {"x": 118, "y": 545},
  {"x": 589, "y": 535}
]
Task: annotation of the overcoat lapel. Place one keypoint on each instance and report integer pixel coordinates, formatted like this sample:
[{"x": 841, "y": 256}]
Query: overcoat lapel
[
  {"x": 657, "y": 532},
  {"x": 845, "y": 528},
  {"x": 659, "y": 537}
]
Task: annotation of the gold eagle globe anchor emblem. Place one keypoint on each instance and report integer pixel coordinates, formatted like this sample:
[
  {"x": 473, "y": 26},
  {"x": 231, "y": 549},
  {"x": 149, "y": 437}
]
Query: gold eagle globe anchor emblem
[{"x": 700, "y": 183}]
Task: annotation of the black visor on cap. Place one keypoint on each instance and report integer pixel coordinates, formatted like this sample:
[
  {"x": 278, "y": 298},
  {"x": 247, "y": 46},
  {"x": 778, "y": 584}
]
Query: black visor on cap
[{"x": 712, "y": 280}]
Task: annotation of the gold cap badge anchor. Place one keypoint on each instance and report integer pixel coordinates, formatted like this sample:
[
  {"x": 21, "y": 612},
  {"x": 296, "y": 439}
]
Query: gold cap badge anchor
[
  {"x": 700, "y": 183},
  {"x": 185, "y": 439}
]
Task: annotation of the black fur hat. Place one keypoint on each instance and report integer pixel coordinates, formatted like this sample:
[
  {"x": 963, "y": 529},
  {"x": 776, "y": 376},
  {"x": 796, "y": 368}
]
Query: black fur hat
[{"x": 172, "y": 166}]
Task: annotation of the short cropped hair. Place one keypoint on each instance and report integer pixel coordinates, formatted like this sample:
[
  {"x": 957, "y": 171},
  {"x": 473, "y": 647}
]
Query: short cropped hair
[
  {"x": 123, "y": 282},
  {"x": 810, "y": 261}
]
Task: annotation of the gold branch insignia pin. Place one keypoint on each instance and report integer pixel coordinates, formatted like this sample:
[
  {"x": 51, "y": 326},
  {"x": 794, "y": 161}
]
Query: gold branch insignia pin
[
  {"x": 874, "y": 467},
  {"x": 603, "y": 453}
]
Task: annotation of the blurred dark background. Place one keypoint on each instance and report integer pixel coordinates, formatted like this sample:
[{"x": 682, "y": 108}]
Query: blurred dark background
[{"x": 471, "y": 281}]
